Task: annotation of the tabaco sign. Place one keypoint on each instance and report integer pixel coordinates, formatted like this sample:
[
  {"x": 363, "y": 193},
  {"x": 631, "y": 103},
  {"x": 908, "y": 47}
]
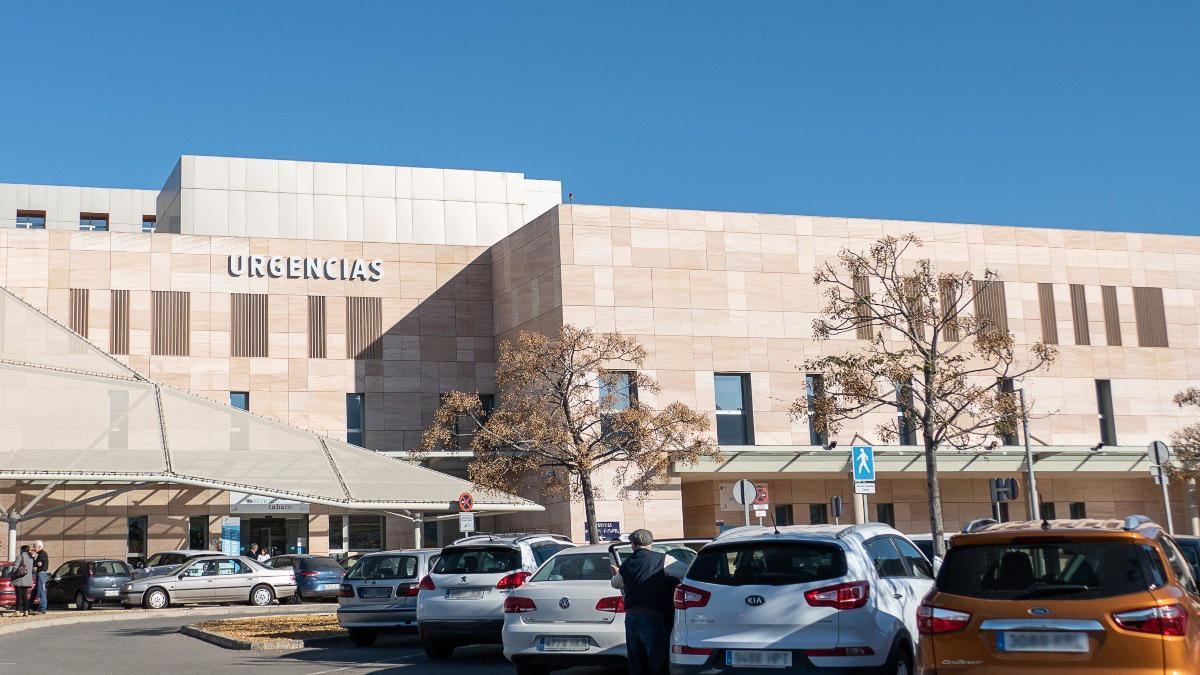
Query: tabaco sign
[{"x": 295, "y": 267}]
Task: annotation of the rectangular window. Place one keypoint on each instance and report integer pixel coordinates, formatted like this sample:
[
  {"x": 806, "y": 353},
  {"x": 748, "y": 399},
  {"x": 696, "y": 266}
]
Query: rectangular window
[
  {"x": 905, "y": 432},
  {"x": 1008, "y": 437},
  {"x": 948, "y": 292},
  {"x": 149, "y": 223},
  {"x": 118, "y": 332},
  {"x": 336, "y": 540},
  {"x": 365, "y": 533},
  {"x": 355, "y": 418},
  {"x": 1078, "y": 510},
  {"x": 464, "y": 426},
  {"x": 734, "y": 417},
  {"x": 1047, "y": 511},
  {"x": 170, "y": 325},
  {"x": 248, "y": 324},
  {"x": 198, "y": 533},
  {"x": 1048, "y": 313},
  {"x": 135, "y": 540},
  {"x": 1104, "y": 409},
  {"x": 618, "y": 391},
  {"x": 886, "y": 513},
  {"x": 240, "y": 399},
  {"x": 364, "y": 324},
  {"x": 79, "y": 311},
  {"x": 93, "y": 222},
  {"x": 784, "y": 515},
  {"x": 815, "y": 387},
  {"x": 1112, "y": 316},
  {"x": 1151, "y": 317},
  {"x": 818, "y": 514},
  {"x": 990, "y": 304},
  {"x": 31, "y": 220},
  {"x": 862, "y": 293},
  {"x": 1079, "y": 315},
  {"x": 316, "y": 326}
]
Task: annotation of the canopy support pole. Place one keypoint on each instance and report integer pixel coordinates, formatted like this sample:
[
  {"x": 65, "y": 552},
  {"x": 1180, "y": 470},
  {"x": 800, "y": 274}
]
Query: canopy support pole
[{"x": 39, "y": 497}]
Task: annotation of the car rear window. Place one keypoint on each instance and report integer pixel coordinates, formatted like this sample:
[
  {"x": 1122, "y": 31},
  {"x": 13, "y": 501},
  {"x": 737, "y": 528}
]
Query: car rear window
[
  {"x": 1063, "y": 570},
  {"x": 543, "y": 552},
  {"x": 384, "y": 567},
  {"x": 109, "y": 568},
  {"x": 166, "y": 559},
  {"x": 319, "y": 564},
  {"x": 484, "y": 560},
  {"x": 683, "y": 551},
  {"x": 576, "y": 567},
  {"x": 768, "y": 563}
]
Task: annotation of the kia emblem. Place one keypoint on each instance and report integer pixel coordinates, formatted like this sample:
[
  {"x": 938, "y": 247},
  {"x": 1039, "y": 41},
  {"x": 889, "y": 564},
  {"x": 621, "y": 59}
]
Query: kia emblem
[
  {"x": 1039, "y": 611},
  {"x": 755, "y": 600},
  {"x": 564, "y": 602}
]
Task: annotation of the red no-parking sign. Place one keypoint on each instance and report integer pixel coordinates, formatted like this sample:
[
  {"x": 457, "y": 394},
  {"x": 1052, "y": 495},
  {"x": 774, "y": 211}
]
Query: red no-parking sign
[{"x": 466, "y": 501}]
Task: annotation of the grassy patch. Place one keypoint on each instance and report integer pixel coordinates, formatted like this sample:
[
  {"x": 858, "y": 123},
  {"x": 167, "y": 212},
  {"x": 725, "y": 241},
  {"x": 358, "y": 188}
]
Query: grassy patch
[{"x": 291, "y": 627}]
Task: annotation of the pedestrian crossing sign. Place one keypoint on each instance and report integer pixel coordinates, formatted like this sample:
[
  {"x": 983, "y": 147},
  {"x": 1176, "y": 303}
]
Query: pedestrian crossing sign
[{"x": 862, "y": 461}]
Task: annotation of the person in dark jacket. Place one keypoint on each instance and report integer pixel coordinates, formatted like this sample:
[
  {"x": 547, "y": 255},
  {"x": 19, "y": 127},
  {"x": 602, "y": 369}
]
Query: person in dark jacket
[
  {"x": 24, "y": 583},
  {"x": 41, "y": 574},
  {"x": 648, "y": 579}
]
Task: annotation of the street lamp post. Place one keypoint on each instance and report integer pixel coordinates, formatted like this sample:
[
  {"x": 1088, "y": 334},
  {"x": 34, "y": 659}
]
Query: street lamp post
[{"x": 1030, "y": 480}]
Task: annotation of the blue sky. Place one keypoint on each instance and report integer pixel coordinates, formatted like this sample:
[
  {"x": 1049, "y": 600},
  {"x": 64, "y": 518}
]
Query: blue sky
[{"x": 1066, "y": 114}]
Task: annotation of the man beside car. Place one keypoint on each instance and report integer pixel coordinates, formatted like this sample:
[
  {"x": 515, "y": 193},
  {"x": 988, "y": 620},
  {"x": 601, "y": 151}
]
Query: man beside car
[
  {"x": 41, "y": 574},
  {"x": 647, "y": 579}
]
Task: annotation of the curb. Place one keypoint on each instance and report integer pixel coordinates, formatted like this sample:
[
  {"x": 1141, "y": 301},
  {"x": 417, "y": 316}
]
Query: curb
[
  {"x": 133, "y": 615},
  {"x": 280, "y": 644}
]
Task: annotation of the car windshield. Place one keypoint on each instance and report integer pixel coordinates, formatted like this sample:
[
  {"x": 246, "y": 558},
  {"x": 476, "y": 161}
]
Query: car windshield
[
  {"x": 1068, "y": 570},
  {"x": 166, "y": 559},
  {"x": 485, "y": 560},
  {"x": 684, "y": 552},
  {"x": 576, "y": 567},
  {"x": 384, "y": 567},
  {"x": 320, "y": 564},
  {"x": 768, "y": 563}
]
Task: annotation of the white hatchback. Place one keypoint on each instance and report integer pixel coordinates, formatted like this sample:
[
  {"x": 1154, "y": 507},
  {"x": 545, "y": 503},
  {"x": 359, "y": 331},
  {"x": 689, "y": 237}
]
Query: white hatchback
[{"x": 805, "y": 597}]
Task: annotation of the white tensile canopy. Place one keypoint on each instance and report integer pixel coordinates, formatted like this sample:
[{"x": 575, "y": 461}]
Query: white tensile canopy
[{"x": 71, "y": 413}]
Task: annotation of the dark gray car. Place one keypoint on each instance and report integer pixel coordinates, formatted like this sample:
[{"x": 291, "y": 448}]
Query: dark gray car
[{"x": 87, "y": 582}]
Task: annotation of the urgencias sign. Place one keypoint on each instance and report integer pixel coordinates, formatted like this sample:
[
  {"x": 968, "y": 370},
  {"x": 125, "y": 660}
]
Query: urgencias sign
[{"x": 295, "y": 267}]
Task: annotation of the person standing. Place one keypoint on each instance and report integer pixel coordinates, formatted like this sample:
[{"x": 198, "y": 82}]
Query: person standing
[
  {"x": 648, "y": 579},
  {"x": 22, "y": 580},
  {"x": 41, "y": 571}
]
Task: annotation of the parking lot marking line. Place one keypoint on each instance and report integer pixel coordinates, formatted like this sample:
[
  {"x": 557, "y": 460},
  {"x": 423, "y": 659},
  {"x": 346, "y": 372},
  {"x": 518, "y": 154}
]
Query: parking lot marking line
[{"x": 361, "y": 665}]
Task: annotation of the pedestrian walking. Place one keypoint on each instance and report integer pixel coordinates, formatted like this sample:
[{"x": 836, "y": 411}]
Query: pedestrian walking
[
  {"x": 647, "y": 579},
  {"x": 41, "y": 572},
  {"x": 22, "y": 580}
]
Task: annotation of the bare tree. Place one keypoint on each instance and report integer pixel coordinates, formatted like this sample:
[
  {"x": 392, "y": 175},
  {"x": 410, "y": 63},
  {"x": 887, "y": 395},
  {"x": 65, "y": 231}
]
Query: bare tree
[
  {"x": 569, "y": 406},
  {"x": 1185, "y": 460},
  {"x": 937, "y": 354}
]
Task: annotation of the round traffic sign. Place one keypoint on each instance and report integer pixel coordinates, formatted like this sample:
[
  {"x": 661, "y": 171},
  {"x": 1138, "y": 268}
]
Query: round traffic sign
[
  {"x": 466, "y": 501},
  {"x": 744, "y": 492},
  {"x": 1159, "y": 453}
]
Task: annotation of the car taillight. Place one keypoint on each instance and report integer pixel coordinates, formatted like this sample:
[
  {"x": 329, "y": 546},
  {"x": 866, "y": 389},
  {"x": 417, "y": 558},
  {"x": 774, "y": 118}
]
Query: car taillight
[
  {"x": 1162, "y": 620},
  {"x": 614, "y": 603},
  {"x": 691, "y": 651},
  {"x": 850, "y": 595},
  {"x": 689, "y": 596},
  {"x": 515, "y": 604},
  {"x": 310, "y": 574},
  {"x": 426, "y": 584},
  {"x": 89, "y": 569},
  {"x": 345, "y": 591},
  {"x": 408, "y": 590},
  {"x": 932, "y": 620},
  {"x": 514, "y": 580}
]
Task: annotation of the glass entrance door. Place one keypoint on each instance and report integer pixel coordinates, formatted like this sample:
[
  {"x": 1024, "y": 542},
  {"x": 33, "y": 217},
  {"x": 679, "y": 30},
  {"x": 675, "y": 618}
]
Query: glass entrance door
[{"x": 277, "y": 535}]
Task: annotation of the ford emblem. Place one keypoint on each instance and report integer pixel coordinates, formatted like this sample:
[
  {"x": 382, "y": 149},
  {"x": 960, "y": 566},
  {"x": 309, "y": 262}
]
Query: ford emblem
[
  {"x": 565, "y": 603},
  {"x": 1039, "y": 611},
  {"x": 755, "y": 600}
]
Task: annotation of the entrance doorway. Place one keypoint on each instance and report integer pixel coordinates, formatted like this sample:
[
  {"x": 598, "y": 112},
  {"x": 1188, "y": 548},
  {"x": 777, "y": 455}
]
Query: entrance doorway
[{"x": 277, "y": 535}]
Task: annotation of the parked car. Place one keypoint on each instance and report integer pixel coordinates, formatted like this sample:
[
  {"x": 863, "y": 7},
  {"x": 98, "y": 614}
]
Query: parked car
[
  {"x": 8, "y": 594},
  {"x": 461, "y": 601},
  {"x": 211, "y": 579},
  {"x": 161, "y": 563},
  {"x": 379, "y": 593},
  {"x": 87, "y": 582},
  {"x": 802, "y": 597},
  {"x": 1112, "y": 595},
  {"x": 1191, "y": 551},
  {"x": 317, "y": 576}
]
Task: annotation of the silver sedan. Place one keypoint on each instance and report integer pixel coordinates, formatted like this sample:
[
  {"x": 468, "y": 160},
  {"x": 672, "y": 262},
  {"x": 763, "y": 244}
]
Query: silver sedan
[{"x": 212, "y": 579}]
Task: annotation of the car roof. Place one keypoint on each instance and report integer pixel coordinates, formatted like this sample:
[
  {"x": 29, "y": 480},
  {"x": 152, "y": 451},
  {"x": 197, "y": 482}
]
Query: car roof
[
  {"x": 586, "y": 548},
  {"x": 831, "y": 533},
  {"x": 410, "y": 551},
  {"x": 1133, "y": 527},
  {"x": 187, "y": 551},
  {"x": 509, "y": 538}
]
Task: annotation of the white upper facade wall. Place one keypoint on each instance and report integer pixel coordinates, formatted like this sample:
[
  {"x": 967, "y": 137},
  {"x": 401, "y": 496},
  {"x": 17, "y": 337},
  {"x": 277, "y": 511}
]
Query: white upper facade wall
[{"x": 63, "y": 204}]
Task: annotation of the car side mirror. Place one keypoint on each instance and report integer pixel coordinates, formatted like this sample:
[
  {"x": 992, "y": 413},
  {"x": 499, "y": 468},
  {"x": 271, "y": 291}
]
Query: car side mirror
[{"x": 182, "y": 575}]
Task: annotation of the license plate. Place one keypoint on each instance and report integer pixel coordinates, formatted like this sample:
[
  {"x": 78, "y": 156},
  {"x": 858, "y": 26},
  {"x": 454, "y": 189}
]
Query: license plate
[
  {"x": 758, "y": 659},
  {"x": 381, "y": 592},
  {"x": 463, "y": 595},
  {"x": 564, "y": 644},
  {"x": 111, "y": 593},
  {"x": 329, "y": 587},
  {"x": 1046, "y": 641}
]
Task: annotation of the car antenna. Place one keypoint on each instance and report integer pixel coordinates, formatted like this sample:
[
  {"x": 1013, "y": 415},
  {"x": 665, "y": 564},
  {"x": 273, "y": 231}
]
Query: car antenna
[{"x": 773, "y": 523}]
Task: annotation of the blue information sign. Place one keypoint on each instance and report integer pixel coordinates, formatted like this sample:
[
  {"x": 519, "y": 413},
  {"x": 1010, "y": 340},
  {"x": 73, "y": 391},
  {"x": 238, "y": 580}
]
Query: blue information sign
[
  {"x": 608, "y": 530},
  {"x": 862, "y": 460}
]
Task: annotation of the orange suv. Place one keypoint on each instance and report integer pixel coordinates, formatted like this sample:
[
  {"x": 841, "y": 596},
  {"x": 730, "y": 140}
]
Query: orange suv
[{"x": 1059, "y": 596}]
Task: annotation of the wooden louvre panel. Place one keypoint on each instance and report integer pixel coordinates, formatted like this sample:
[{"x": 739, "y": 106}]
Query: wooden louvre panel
[
  {"x": 118, "y": 334},
  {"x": 170, "y": 326},
  {"x": 316, "y": 326},
  {"x": 1151, "y": 317},
  {"x": 1079, "y": 315},
  {"x": 1049, "y": 316},
  {"x": 990, "y": 304},
  {"x": 79, "y": 311},
  {"x": 862, "y": 292},
  {"x": 248, "y": 325},
  {"x": 947, "y": 289},
  {"x": 364, "y": 323},
  {"x": 1112, "y": 316}
]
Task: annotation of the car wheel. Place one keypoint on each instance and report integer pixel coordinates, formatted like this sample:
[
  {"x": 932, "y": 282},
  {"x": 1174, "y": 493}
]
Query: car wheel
[
  {"x": 363, "y": 638},
  {"x": 156, "y": 598},
  {"x": 438, "y": 650},
  {"x": 900, "y": 661},
  {"x": 526, "y": 669},
  {"x": 261, "y": 596},
  {"x": 81, "y": 602}
]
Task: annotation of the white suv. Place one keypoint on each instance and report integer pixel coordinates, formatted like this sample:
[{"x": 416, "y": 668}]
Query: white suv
[
  {"x": 805, "y": 597},
  {"x": 461, "y": 600}
]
